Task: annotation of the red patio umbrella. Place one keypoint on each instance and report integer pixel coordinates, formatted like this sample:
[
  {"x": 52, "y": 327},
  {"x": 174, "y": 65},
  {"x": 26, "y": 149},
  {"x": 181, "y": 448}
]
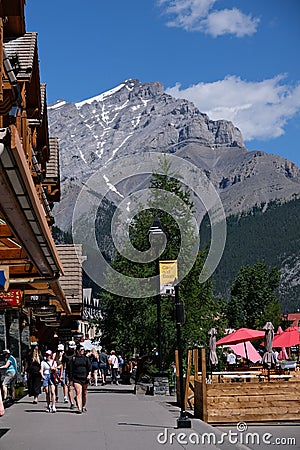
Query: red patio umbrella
[
  {"x": 288, "y": 338},
  {"x": 241, "y": 335}
]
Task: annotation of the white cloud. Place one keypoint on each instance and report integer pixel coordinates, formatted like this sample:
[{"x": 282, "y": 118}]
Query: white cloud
[
  {"x": 198, "y": 15},
  {"x": 259, "y": 109},
  {"x": 229, "y": 21}
]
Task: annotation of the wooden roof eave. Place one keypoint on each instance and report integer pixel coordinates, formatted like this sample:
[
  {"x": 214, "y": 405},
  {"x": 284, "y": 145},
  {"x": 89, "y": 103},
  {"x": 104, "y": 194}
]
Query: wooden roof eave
[
  {"x": 59, "y": 294},
  {"x": 38, "y": 245},
  {"x": 14, "y": 11}
]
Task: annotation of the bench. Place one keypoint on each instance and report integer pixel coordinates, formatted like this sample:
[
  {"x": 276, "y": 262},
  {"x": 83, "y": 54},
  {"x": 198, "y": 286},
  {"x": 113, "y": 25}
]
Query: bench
[
  {"x": 264, "y": 376},
  {"x": 238, "y": 377}
]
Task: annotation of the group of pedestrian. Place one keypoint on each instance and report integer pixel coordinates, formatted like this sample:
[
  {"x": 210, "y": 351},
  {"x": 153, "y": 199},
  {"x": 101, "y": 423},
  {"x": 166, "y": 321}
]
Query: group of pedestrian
[
  {"x": 104, "y": 364},
  {"x": 73, "y": 368}
]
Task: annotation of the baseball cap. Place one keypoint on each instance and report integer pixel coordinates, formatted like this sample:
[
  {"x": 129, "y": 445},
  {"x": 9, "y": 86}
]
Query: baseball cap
[
  {"x": 49, "y": 352},
  {"x": 72, "y": 344},
  {"x": 6, "y": 351},
  {"x": 60, "y": 347}
]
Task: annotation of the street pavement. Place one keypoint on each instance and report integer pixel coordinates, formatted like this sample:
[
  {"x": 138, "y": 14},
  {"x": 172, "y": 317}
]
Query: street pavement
[{"x": 117, "y": 418}]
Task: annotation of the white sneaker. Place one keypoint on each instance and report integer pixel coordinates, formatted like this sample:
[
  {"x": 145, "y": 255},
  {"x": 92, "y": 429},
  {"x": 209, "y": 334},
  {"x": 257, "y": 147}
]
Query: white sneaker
[
  {"x": 66, "y": 400},
  {"x": 48, "y": 409},
  {"x": 54, "y": 409}
]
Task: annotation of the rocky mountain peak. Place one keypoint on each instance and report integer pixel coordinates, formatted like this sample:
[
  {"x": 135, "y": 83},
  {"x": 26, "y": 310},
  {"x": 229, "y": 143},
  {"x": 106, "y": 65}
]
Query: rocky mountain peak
[{"x": 140, "y": 117}]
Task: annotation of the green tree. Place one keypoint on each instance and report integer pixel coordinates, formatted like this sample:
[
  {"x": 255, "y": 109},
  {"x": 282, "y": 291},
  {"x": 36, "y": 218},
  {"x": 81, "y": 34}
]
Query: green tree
[
  {"x": 130, "y": 325},
  {"x": 254, "y": 299}
]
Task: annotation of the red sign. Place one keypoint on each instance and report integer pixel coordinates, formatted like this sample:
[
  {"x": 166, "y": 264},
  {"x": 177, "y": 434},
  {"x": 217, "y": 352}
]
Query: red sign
[{"x": 11, "y": 299}]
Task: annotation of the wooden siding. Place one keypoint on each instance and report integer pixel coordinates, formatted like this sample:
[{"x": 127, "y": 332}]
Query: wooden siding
[
  {"x": 25, "y": 49},
  {"x": 249, "y": 402},
  {"x": 53, "y": 163},
  {"x": 71, "y": 282}
]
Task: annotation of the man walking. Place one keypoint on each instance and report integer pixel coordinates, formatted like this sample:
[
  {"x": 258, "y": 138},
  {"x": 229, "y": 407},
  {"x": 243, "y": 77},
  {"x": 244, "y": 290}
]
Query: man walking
[
  {"x": 10, "y": 376},
  {"x": 114, "y": 366}
]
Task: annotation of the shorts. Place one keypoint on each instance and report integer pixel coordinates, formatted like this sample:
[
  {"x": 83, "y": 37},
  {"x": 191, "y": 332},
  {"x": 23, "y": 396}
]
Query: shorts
[
  {"x": 103, "y": 370},
  {"x": 82, "y": 382},
  {"x": 63, "y": 378},
  {"x": 48, "y": 381},
  {"x": 10, "y": 379},
  {"x": 94, "y": 366}
]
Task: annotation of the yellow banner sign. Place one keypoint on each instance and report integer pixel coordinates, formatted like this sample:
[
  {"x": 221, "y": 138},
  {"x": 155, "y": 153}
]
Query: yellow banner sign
[{"x": 168, "y": 273}]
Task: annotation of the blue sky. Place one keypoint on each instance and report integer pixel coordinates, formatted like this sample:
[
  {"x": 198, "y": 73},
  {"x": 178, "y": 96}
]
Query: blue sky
[{"x": 236, "y": 60}]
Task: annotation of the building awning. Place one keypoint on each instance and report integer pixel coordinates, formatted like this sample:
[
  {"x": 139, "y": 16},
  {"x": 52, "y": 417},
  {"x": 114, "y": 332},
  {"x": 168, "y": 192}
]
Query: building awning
[{"x": 22, "y": 211}]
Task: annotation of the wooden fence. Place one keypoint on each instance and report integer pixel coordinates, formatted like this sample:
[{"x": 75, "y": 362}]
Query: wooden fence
[
  {"x": 255, "y": 401},
  {"x": 247, "y": 402}
]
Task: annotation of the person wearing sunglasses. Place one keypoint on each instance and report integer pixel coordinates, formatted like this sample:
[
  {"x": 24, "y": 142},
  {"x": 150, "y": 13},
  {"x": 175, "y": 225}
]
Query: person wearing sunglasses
[{"x": 80, "y": 375}]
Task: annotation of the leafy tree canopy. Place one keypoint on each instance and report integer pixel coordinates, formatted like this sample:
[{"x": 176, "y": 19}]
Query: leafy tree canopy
[{"x": 254, "y": 300}]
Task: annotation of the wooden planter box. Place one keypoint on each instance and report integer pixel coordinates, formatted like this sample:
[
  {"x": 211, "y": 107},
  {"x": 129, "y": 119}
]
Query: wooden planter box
[{"x": 248, "y": 402}]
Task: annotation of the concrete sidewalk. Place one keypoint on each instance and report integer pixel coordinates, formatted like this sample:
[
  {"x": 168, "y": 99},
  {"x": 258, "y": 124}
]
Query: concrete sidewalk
[{"x": 116, "y": 419}]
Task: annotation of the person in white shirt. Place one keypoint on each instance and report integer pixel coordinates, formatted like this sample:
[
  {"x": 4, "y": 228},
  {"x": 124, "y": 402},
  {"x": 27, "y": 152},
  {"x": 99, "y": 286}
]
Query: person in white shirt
[
  {"x": 275, "y": 356},
  {"x": 231, "y": 358},
  {"x": 114, "y": 366},
  {"x": 49, "y": 380}
]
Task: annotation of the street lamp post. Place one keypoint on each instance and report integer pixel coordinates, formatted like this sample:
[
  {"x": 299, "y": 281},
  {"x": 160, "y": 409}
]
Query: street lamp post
[
  {"x": 183, "y": 421},
  {"x": 156, "y": 233}
]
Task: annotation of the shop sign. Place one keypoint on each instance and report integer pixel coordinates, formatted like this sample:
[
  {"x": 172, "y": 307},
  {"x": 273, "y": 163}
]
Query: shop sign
[
  {"x": 44, "y": 310},
  {"x": 36, "y": 300},
  {"x": 54, "y": 318},
  {"x": 65, "y": 334},
  {"x": 78, "y": 335},
  {"x": 11, "y": 299}
]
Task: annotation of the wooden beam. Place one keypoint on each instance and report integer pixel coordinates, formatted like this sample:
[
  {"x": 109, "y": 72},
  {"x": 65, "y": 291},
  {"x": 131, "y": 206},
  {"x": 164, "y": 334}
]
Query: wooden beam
[
  {"x": 5, "y": 231},
  {"x": 196, "y": 367},
  {"x": 22, "y": 271},
  {"x": 187, "y": 381},
  {"x": 203, "y": 385},
  {"x": 9, "y": 242},
  {"x": 13, "y": 254}
]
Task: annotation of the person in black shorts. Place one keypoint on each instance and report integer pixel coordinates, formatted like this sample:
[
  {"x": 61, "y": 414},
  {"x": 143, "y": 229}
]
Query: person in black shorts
[
  {"x": 67, "y": 357},
  {"x": 80, "y": 375},
  {"x": 103, "y": 365}
]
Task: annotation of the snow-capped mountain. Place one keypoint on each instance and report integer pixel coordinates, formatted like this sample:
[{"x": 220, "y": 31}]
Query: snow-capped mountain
[{"x": 136, "y": 117}]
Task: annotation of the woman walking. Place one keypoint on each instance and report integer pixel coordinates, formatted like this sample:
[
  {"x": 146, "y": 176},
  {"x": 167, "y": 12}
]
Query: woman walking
[
  {"x": 49, "y": 376},
  {"x": 60, "y": 360},
  {"x": 94, "y": 358},
  {"x": 80, "y": 375},
  {"x": 34, "y": 378}
]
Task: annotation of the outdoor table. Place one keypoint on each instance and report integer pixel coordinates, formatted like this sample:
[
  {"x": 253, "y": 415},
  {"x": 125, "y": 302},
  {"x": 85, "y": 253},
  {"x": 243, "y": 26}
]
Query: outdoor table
[
  {"x": 234, "y": 374},
  {"x": 264, "y": 376},
  {"x": 239, "y": 377}
]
